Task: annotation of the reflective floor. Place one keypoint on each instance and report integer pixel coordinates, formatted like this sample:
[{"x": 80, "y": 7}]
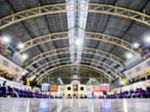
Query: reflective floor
[{"x": 74, "y": 105}]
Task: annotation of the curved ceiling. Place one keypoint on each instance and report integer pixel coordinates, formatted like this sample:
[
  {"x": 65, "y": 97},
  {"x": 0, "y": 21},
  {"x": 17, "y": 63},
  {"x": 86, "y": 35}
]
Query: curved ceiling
[
  {"x": 100, "y": 73},
  {"x": 112, "y": 27},
  {"x": 64, "y": 72}
]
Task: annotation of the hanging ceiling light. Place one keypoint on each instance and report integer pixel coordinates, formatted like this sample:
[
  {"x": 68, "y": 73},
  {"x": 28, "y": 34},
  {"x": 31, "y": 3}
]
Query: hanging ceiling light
[
  {"x": 6, "y": 39},
  {"x": 136, "y": 45},
  {"x": 79, "y": 42},
  {"x": 20, "y": 45},
  {"x": 24, "y": 56},
  {"x": 129, "y": 55}
]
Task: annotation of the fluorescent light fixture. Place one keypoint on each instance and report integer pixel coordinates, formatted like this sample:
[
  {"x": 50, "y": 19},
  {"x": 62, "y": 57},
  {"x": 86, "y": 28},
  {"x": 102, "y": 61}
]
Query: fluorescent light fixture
[
  {"x": 6, "y": 39},
  {"x": 136, "y": 45},
  {"x": 24, "y": 56},
  {"x": 20, "y": 46},
  {"x": 129, "y": 55}
]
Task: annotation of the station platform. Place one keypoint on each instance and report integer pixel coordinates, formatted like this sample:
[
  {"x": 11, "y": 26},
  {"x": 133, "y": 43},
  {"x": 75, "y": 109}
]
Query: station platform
[{"x": 73, "y": 105}]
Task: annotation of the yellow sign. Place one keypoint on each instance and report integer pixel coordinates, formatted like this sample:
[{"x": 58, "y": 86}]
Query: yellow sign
[
  {"x": 28, "y": 82},
  {"x": 148, "y": 72}
]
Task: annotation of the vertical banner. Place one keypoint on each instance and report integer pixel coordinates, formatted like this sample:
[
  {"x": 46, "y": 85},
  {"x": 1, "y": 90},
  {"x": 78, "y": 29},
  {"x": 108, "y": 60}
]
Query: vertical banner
[
  {"x": 28, "y": 82},
  {"x": 148, "y": 72}
]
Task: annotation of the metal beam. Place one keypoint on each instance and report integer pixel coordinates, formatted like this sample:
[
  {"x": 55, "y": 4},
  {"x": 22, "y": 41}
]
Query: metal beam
[
  {"x": 68, "y": 65},
  {"x": 113, "y": 40},
  {"x": 60, "y": 51},
  {"x": 83, "y": 67},
  {"x": 89, "y": 35},
  {"x": 61, "y": 8},
  {"x": 87, "y": 60},
  {"x": 44, "y": 39}
]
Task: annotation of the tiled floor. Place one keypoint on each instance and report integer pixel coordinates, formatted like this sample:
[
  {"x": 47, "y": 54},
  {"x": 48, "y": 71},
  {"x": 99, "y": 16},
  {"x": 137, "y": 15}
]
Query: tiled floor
[{"x": 74, "y": 105}]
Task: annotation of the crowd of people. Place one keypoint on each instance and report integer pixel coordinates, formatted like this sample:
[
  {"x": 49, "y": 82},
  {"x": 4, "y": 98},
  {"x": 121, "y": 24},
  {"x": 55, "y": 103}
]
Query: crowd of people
[
  {"x": 138, "y": 93},
  {"x": 6, "y": 91}
]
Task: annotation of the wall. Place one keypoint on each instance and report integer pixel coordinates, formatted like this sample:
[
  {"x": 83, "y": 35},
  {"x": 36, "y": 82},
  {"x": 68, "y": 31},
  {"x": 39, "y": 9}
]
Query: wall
[
  {"x": 14, "y": 84},
  {"x": 141, "y": 84},
  {"x": 139, "y": 70},
  {"x": 9, "y": 66}
]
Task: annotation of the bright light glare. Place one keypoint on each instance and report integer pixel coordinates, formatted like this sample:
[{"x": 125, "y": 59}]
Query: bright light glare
[
  {"x": 24, "y": 56},
  {"x": 6, "y": 39},
  {"x": 24, "y": 72},
  {"x": 76, "y": 62},
  {"x": 136, "y": 45},
  {"x": 147, "y": 38},
  {"x": 129, "y": 55},
  {"x": 20, "y": 46},
  {"x": 78, "y": 42},
  {"x": 122, "y": 82}
]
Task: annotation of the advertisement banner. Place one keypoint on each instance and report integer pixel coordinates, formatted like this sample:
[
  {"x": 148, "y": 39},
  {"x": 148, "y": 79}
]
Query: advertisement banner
[
  {"x": 54, "y": 88},
  {"x": 96, "y": 89},
  {"x": 105, "y": 87}
]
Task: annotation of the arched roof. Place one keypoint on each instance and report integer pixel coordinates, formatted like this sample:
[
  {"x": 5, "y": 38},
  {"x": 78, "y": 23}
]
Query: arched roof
[{"x": 112, "y": 27}]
